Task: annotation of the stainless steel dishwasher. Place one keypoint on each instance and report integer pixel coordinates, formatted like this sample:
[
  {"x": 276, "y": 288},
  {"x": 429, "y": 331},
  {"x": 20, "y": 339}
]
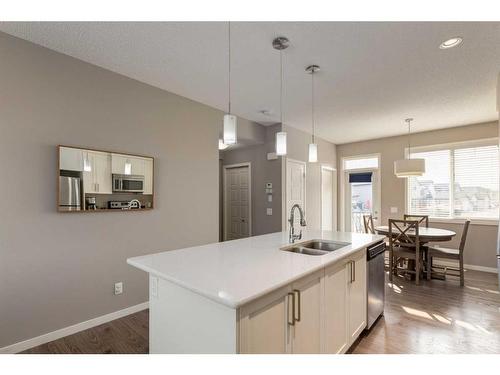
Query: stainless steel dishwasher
[{"x": 375, "y": 282}]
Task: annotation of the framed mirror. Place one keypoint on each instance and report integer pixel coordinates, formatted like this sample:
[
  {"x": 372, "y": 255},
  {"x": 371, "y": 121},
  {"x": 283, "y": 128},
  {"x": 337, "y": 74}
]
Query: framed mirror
[{"x": 95, "y": 180}]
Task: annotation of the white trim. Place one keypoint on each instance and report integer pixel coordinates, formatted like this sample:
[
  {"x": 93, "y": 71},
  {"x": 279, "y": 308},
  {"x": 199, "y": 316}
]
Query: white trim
[
  {"x": 334, "y": 193},
  {"x": 363, "y": 156},
  {"x": 471, "y": 267},
  {"x": 63, "y": 332},
  {"x": 493, "y": 141},
  {"x": 224, "y": 196},
  {"x": 473, "y": 221}
]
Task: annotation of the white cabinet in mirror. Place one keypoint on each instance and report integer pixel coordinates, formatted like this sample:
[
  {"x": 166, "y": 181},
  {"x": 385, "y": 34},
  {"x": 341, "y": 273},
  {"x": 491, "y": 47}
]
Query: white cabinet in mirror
[{"x": 96, "y": 180}]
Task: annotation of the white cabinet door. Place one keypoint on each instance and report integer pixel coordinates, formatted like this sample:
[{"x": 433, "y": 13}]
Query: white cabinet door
[
  {"x": 263, "y": 324},
  {"x": 357, "y": 295},
  {"x": 148, "y": 176},
  {"x": 70, "y": 159},
  {"x": 335, "y": 305},
  {"x": 306, "y": 330},
  {"x": 102, "y": 163},
  {"x": 98, "y": 180}
]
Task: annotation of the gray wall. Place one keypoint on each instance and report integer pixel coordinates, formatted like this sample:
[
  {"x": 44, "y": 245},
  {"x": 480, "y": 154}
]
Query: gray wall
[
  {"x": 59, "y": 269},
  {"x": 481, "y": 242},
  {"x": 298, "y": 149},
  {"x": 263, "y": 171}
]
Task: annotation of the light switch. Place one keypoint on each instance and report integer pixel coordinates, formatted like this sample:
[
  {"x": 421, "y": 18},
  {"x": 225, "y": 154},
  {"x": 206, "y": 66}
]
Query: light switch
[
  {"x": 153, "y": 286},
  {"x": 269, "y": 197},
  {"x": 394, "y": 210},
  {"x": 269, "y": 212}
]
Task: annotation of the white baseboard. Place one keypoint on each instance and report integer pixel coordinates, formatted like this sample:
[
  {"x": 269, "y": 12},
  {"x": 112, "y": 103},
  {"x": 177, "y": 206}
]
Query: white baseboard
[
  {"x": 51, "y": 336},
  {"x": 472, "y": 267}
]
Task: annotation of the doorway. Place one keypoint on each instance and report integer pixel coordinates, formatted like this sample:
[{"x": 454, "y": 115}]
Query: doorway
[
  {"x": 237, "y": 181},
  {"x": 295, "y": 189},
  {"x": 328, "y": 198},
  {"x": 361, "y": 197}
]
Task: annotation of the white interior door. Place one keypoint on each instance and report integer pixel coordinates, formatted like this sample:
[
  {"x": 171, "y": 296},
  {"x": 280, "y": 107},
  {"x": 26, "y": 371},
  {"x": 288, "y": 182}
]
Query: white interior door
[
  {"x": 295, "y": 187},
  {"x": 361, "y": 198},
  {"x": 328, "y": 198},
  {"x": 237, "y": 202}
]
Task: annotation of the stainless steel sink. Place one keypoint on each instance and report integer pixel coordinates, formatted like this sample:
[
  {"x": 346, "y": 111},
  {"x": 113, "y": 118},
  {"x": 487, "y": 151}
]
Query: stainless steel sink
[{"x": 315, "y": 247}]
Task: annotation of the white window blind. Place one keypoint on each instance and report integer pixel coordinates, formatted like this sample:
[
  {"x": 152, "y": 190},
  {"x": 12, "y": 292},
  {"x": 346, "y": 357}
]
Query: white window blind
[
  {"x": 430, "y": 194},
  {"x": 476, "y": 182},
  {"x": 459, "y": 182}
]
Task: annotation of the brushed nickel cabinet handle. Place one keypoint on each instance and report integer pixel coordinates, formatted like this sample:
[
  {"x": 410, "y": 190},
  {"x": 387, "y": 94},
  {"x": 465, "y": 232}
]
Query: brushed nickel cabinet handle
[
  {"x": 299, "y": 308},
  {"x": 292, "y": 295},
  {"x": 353, "y": 271}
]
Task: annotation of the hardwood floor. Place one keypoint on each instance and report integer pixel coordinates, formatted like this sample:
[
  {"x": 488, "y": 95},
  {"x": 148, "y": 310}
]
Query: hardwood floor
[{"x": 434, "y": 317}]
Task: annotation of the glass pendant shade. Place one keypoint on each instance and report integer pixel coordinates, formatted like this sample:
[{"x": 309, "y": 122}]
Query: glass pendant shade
[
  {"x": 281, "y": 143},
  {"x": 128, "y": 167},
  {"x": 229, "y": 129},
  {"x": 409, "y": 167},
  {"x": 87, "y": 167},
  {"x": 313, "y": 152}
]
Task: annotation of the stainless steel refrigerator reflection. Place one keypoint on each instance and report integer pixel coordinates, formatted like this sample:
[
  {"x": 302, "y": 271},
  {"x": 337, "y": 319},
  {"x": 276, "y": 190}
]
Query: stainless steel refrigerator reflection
[{"x": 69, "y": 193}]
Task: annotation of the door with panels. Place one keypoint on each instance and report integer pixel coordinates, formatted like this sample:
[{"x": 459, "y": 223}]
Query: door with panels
[
  {"x": 295, "y": 188},
  {"x": 237, "y": 201},
  {"x": 356, "y": 289},
  {"x": 305, "y": 329},
  {"x": 264, "y": 323},
  {"x": 336, "y": 308}
]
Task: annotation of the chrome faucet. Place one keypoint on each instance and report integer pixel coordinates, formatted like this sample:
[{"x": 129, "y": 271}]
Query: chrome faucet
[
  {"x": 134, "y": 203},
  {"x": 292, "y": 236}
]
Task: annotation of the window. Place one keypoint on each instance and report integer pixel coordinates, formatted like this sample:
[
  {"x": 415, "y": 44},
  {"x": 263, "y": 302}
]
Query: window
[
  {"x": 361, "y": 162},
  {"x": 461, "y": 181}
]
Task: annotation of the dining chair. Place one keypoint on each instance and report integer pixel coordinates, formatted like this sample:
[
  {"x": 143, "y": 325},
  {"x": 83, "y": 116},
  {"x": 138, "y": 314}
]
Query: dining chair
[
  {"x": 368, "y": 223},
  {"x": 402, "y": 245},
  {"x": 421, "y": 219},
  {"x": 446, "y": 253}
]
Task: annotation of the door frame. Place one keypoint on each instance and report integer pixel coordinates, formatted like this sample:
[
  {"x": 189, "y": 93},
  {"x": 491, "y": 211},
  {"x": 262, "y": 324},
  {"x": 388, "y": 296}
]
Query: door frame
[
  {"x": 343, "y": 192},
  {"x": 224, "y": 196},
  {"x": 334, "y": 198},
  {"x": 285, "y": 192}
]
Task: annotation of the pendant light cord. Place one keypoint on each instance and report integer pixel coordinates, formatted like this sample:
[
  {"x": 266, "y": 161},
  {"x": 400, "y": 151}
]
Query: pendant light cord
[
  {"x": 312, "y": 103},
  {"x": 281, "y": 88},
  {"x": 229, "y": 64}
]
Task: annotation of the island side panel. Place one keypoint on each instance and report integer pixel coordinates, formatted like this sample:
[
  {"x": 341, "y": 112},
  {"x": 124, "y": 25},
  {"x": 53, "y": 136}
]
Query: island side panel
[{"x": 181, "y": 321}]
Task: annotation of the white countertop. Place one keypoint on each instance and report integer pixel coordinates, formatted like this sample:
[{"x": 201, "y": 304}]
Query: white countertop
[{"x": 236, "y": 272}]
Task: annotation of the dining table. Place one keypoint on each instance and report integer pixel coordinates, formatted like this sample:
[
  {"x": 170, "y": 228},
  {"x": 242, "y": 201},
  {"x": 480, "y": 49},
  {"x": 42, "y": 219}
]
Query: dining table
[{"x": 425, "y": 234}]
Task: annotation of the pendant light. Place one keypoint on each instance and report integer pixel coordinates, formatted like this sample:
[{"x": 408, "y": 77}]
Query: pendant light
[
  {"x": 229, "y": 119},
  {"x": 280, "y": 43},
  {"x": 409, "y": 167},
  {"x": 313, "y": 147}
]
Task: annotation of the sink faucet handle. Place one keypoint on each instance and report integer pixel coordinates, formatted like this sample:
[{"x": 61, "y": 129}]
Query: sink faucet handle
[
  {"x": 300, "y": 235},
  {"x": 303, "y": 222}
]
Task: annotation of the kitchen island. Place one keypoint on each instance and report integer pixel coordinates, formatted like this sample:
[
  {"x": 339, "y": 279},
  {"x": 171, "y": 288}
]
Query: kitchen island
[{"x": 250, "y": 296}]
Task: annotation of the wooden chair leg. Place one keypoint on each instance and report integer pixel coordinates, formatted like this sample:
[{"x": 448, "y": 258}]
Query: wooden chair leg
[
  {"x": 461, "y": 272},
  {"x": 429, "y": 266},
  {"x": 417, "y": 270},
  {"x": 391, "y": 263}
]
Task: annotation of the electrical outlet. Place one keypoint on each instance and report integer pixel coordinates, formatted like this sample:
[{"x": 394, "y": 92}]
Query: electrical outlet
[{"x": 118, "y": 288}]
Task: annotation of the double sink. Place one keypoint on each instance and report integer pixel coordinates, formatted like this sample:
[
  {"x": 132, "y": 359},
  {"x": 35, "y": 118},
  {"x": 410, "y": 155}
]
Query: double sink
[{"x": 316, "y": 247}]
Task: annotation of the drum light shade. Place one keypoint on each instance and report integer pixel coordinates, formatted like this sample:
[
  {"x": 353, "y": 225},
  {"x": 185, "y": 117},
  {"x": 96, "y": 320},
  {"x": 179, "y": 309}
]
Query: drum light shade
[
  {"x": 409, "y": 167},
  {"x": 313, "y": 152},
  {"x": 281, "y": 143},
  {"x": 229, "y": 129}
]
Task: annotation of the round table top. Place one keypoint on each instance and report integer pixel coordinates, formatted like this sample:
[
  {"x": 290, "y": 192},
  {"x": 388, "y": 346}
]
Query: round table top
[{"x": 426, "y": 234}]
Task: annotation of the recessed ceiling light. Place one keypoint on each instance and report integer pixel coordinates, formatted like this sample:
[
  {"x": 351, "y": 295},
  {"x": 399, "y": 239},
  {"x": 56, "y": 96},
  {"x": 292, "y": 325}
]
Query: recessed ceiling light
[{"x": 452, "y": 42}]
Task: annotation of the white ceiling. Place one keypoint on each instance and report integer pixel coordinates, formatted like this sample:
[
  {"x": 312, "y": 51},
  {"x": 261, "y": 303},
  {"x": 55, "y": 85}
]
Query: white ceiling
[{"x": 373, "y": 75}]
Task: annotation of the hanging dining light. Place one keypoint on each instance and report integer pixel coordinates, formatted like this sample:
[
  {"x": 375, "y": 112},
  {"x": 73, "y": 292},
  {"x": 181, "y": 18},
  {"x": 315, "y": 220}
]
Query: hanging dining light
[
  {"x": 230, "y": 126},
  {"x": 409, "y": 167},
  {"x": 280, "y": 43},
  {"x": 313, "y": 147}
]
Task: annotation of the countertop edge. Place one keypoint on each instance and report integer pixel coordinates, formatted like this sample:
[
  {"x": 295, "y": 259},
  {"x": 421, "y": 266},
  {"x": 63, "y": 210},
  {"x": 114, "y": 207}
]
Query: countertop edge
[{"x": 237, "y": 304}]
